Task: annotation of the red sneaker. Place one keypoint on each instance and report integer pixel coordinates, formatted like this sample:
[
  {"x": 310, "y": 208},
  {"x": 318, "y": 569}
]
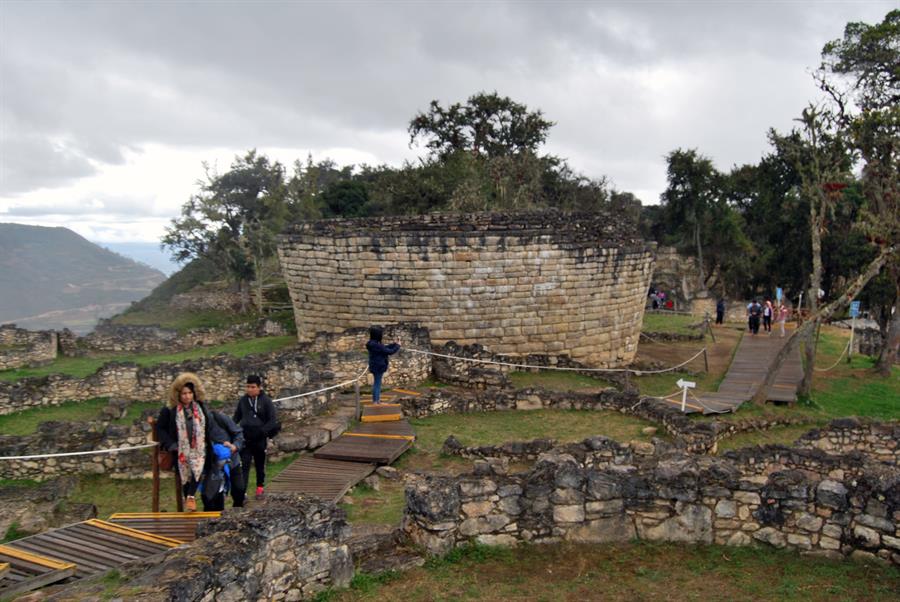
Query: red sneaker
[{"x": 259, "y": 493}]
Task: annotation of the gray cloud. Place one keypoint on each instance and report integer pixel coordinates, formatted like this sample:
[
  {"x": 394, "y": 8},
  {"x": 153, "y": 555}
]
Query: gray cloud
[{"x": 82, "y": 82}]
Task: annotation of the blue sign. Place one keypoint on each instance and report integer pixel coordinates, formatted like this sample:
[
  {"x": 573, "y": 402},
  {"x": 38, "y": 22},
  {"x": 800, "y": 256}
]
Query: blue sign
[
  {"x": 778, "y": 294},
  {"x": 854, "y": 309}
]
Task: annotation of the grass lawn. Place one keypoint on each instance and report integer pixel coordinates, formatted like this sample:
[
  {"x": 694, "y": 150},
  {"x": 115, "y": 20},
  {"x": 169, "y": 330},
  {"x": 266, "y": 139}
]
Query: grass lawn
[
  {"x": 558, "y": 381},
  {"x": 81, "y": 367},
  {"x": 636, "y": 571},
  {"x": 182, "y": 321},
  {"x": 670, "y": 323},
  {"x": 383, "y": 507},
  {"x": 26, "y": 421}
]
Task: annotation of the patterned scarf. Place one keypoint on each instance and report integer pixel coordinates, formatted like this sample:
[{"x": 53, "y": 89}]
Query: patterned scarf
[{"x": 191, "y": 449}]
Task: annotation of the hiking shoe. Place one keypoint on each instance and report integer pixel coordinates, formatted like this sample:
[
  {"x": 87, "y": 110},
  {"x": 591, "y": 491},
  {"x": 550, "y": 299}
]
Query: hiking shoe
[
  {"x": 190, "y": 504},
  {"x": 259, "y": 493}
]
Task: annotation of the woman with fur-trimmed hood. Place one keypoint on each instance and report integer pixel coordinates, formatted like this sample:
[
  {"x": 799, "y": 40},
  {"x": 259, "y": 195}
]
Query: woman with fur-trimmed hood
[{"x": 185, "y": 426}]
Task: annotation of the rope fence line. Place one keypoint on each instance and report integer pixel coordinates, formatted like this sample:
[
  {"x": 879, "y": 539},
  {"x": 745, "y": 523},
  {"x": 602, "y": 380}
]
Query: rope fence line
[
  {"x": 560, "y": 368},
  {"x": 113, "y": 450},
  {"x": 832, "y": 366},
  {"x": 317, "y": 391}
]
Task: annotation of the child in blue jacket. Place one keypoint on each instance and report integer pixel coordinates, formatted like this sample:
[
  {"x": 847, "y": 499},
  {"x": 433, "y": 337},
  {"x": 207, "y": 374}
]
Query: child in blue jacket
[{"x": 378, "y": 359}]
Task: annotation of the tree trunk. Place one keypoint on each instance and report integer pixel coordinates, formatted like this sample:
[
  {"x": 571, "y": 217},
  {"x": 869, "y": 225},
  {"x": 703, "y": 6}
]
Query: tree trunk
[
  {"x": 701, "y": 279},
  {"x": 826, "y": 312},
  {"x": 891, "y": 341},
  {"x": 259, "y": 285},
  {"x": 810, "y": 342}
]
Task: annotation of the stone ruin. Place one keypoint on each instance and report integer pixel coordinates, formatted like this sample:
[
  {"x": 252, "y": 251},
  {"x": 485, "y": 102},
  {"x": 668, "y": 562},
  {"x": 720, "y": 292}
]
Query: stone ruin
[{"x": 524, "y": 283}]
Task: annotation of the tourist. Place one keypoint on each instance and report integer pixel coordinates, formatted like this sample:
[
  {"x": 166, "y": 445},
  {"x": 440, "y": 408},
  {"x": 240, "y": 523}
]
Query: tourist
[
  {"x": 754, "y": 312},
  {"x": 226, "y": 474},
  {"x": 185, "y": 427},
  {"x": 256, "y": 414},
  {"x": 378, "y": 359},
  {"x": 720, "y": 311},
  {"x": 783, "y": 312},
  {"x": 768, "y": 310}
]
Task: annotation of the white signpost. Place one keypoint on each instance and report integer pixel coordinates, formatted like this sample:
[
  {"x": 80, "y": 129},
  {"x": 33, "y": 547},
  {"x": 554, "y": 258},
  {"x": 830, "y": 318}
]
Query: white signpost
[
  {"x": 685, "y": 385},
  {"x": 854, "y": 312}
]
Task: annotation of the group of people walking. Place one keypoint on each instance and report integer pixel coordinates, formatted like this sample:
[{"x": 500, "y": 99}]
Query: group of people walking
[
  {"x": 212, "y": 452},
  {"x": 759, "y": 313},
  {"x": 766, "y": 312}
]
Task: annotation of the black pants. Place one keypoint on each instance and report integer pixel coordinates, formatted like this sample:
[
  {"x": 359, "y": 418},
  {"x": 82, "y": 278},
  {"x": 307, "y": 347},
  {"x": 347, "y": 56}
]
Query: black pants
[
  {"x": 238, "y": 487},
  {"x": 720, "y": 317},
  {"x": 255, "y": 450},
  {"x": 767, "y": 323},
  {"x": 754, "y": 324}
]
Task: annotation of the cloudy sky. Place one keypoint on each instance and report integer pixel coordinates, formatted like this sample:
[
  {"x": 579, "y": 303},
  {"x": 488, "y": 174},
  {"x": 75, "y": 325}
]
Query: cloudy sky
[{"x": 108, "y": 109}]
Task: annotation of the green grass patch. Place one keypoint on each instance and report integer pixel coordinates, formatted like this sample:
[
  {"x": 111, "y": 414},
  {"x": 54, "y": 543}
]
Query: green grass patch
[
  {"x": 13, "y": 533},
  {"x": 783, "y": 435},
  {"x": 669, "y": 323},
  {"x": 81, "y": 367},
  {"x": 182, "y": 321},
  {"x": 382, "y": 507},
  {"x": 557, "y": 381},
  {"x": 26, "y": 421},
  {"x": 19, "y": 483},
  {"x": 638, "y": 571}
]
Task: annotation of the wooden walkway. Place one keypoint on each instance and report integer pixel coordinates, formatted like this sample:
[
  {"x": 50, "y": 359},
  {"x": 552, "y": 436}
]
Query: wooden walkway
[
  {"x": 21, "y": 571},
  {"x": 747, "y": 373},
  {"x": 178, "y": 526},
  {"x": 334, "y": 468},
  {"x": 93, "y": 546}
]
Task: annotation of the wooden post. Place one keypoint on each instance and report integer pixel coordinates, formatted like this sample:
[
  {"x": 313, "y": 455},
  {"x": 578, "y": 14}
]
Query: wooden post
[
  {"x": 358, "y": 403},
  {"x": 706, "y": 360},
  {"x": 154, "y": 463},
  {"x": 709, "y": 328}
]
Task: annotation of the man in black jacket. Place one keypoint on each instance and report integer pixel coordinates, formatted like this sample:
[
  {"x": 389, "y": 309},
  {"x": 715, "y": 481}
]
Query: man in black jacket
[{"x": 255, "y": 414}]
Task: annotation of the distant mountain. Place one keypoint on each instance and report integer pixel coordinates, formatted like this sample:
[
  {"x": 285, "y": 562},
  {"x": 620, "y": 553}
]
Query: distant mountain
[
  {"x": 145, "y": 252},
  {"x": 54, "y": 278}
]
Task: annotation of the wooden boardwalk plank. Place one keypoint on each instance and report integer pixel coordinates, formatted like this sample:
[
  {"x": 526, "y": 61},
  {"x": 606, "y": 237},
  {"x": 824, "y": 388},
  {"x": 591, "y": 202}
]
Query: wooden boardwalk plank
[
  {"x": 325, "y": 479},
  {"x": 748, "y": 371},
  {"x": 181, "y": 526},
  {"x": 396, "y": 427},
  {"x": 363, "y": 449},
  {"x": 94, "y": 546}
]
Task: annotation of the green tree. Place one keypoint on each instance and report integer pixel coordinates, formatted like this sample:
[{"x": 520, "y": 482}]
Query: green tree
[
  {"x": 234, "y": 220},
  {"x": 861, "y": 74},
  {"x": 487, "y": 124}
]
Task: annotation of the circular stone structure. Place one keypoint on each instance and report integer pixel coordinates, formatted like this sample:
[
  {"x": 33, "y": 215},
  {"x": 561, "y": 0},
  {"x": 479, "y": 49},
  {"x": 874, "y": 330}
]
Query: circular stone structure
[{"x": 544, "y": 283}]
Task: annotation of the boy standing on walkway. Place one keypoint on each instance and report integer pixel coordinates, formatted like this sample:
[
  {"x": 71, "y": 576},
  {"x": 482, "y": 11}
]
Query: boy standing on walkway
[
  {"x": 378, "y": 359},
  {"x": 255, "y": 414}
]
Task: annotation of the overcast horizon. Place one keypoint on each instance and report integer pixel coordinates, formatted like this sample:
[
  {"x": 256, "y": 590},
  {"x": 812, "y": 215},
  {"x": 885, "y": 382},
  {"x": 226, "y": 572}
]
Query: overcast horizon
[{"x": 109, "y": 109}]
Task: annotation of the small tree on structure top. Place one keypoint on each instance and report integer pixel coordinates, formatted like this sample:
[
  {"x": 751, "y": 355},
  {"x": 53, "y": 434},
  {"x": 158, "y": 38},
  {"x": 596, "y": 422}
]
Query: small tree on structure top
[
  {"x": 234, "y": 220},
  {"x": 487, "y": 125}
]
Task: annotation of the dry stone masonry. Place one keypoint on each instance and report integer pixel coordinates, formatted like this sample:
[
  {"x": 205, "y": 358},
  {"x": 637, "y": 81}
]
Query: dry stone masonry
[
  {"x": 528, "y": 283},
  {"x": 600, "y": 491},
  {"x": 20, "y": 347},
  {"x": 331, "y": 358}
]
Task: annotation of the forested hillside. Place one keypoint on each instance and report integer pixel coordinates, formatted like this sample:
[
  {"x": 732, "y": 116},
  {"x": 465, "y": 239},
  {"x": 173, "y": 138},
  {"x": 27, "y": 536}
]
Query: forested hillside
[{"x": 54, "y": 278}]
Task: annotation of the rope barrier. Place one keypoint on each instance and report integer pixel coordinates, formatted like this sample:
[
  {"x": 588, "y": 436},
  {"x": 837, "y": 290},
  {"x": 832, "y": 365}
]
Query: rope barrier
[
  {"x": 113, "y": 450},
  {"x": 337, "y": 386},
  {"x": 847, "y": 348},
  {"x": 560, "y": 368},
  {"x": 154, "y": 444}
]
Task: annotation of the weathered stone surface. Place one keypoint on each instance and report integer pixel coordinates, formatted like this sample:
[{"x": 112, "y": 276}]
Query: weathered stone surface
[
  {"x": 692, "y": 523},
  {"x": 602, "y": 530},
  {"x": 568, "y": 514},
  {"x": 832, "y": 494},
  {"x": 771, "y": 536}
]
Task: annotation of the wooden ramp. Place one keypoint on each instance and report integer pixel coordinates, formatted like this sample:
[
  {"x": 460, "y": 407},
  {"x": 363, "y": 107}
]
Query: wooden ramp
[
  {"x": 747, "y": 373},
  {"x": 325, "y": 479},
  {"x": 179, "y": 526},
  {"x": 22, "y": 571},
  {"x": 383, "y": 412},
  {"x": 94, "y": 546},
  {"x": 376, "y": 449}
]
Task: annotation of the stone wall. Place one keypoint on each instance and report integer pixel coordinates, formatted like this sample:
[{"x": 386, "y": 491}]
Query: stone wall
[
  {"x": 284, "y": 373},
  {"x": 65, "y": 437},
  {"x": 880, "y": 441},
  {"x": 20, "y": 347},
  {"x": 118, "y": 338},
  {"x": 535, "y": 283},
  {"x": 287, "y": 548},
  {"x": 200, "y": 300},
  {"x": 677, "y": 276},
  {"x": 600, "y": 491}
]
